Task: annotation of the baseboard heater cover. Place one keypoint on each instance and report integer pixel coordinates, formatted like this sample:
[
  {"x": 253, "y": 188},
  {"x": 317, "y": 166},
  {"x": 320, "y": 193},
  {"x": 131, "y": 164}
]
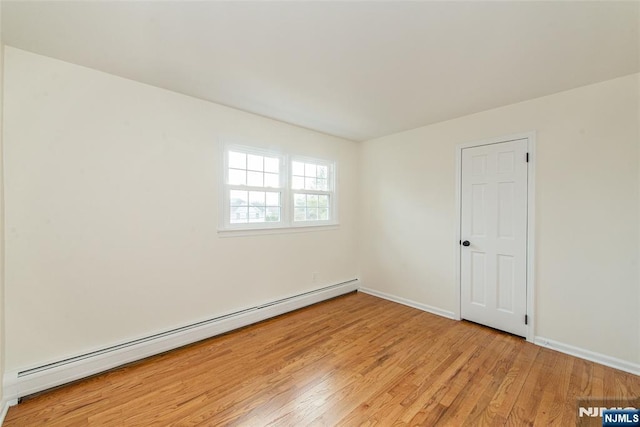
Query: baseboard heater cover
[{"x": 33, "y": 380}]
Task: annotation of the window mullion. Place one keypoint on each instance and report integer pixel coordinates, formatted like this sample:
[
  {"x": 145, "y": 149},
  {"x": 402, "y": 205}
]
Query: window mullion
[
  {"x": 250, "y": 188},
  {"x": 318, "y": 192}
]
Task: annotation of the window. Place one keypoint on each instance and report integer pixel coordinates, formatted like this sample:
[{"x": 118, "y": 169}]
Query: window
[
  {"x": 254, "y": 186},
  {"x": 311, "y": 196},
  {"x": 265, "y": 189}
]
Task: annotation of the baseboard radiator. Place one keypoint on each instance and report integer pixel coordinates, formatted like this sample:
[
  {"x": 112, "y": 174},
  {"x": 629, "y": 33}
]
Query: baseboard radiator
[{"x": 22, "y": 383}]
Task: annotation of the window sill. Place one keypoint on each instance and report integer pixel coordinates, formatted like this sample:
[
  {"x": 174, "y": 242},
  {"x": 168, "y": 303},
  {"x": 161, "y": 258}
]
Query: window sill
[{"x": 241, "y": 232}]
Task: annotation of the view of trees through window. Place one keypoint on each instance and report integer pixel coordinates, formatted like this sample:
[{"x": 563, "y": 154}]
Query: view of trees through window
[{"x": 310, "y": 207}]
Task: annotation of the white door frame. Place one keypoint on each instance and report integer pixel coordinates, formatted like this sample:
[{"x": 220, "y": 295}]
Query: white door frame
[{"x": 531, "y": 143}]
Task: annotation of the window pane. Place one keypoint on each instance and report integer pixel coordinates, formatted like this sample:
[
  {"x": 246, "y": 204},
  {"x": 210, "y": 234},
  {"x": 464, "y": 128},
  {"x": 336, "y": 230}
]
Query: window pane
[
  {"x": 237, "y": 160},
  {"x": 273, "y": 215},
  {"x": 272, "y": 164},
  {"x": 255, "y": 179},
  {"x": 312, "y": 214},
  {"x": 273, "y": 199},
  {"x": 238, "y": 215},
  {"x": 256, "y": 198},
  {"x": 299, "y": 214},
  {"x": 237, "y": 177},
  {"x": 312, "y": 200},
  {"x": 298, "y": 183},
  {"x": 254, "y": 163},
  {"x": 311, "y": 207},
  {"x": 271, "y": 180},
  {"x": 310, "y": 169},
  {"x": 321, "y": 184},
  {"x": 297, "y": 168},
  {"x": 309, "y": 183},
  {"x": 321, "y": 172},
  {"x": 299, "y": 200},
  {"x": 256, "y": 214},
  {"x": 238, "y": 198}
]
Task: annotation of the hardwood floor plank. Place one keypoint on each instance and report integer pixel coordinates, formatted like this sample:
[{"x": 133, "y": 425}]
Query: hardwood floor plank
[
  {"x": 505, "y": 397},
  {"x": 483, "y": 413},
  {"x": 539, "y": 377},
  {"x": 580, "y": 385},
  {"x": 463, "y": 399},
  {"x": 553, "y": 398},
  {"x": 354, "y": 360}
]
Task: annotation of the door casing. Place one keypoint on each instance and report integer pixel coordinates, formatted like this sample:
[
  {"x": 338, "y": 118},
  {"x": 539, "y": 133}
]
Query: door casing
[{"x": 531, "y": 141}]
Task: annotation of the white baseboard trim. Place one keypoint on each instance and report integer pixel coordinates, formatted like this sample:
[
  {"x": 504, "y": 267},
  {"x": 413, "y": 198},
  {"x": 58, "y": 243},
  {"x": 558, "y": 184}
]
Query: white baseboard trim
[
  {"x": 603, "y": 359},
  {"x": 24, "y": 382},
  {"x": 5, "y": 408},
  {"x": 410, "y": 303}
]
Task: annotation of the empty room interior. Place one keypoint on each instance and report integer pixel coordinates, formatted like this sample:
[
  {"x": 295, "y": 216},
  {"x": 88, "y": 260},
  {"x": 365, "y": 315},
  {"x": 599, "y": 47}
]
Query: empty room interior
[{"x": 319, "y": 213}]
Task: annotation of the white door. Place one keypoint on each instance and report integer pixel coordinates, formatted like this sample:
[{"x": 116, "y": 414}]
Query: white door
[{"x": 493, "y": 242}]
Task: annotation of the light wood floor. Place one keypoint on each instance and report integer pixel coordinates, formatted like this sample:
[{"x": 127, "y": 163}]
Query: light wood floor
[{"x": 353, "y": 360}]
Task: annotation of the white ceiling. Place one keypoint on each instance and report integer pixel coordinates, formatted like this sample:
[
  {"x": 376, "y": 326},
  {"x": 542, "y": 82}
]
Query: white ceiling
[{"x": 354, "y": 69}]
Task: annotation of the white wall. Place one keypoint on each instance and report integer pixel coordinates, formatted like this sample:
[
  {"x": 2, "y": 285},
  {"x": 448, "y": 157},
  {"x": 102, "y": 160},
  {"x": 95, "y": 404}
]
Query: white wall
[
  {"x": 587, "y": 212},
  {"x": 111, "y": 192},
  {"x": 112, "y": 212},
  {"x": 2, "y": 334}
]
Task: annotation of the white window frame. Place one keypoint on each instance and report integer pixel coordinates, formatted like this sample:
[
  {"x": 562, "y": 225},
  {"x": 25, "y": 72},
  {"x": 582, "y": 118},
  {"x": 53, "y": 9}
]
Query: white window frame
[
  {"x": 226, "y": 223},
  {"x": 331, "y": 190},
  {"x": 285, "y": 189}
]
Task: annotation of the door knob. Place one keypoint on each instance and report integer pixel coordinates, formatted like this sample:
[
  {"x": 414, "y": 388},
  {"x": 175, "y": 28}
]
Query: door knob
[{"x": 466, "y": 243}]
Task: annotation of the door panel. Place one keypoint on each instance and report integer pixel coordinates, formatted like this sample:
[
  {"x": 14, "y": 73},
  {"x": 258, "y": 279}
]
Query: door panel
[
  {"x": 479, "y": 279},
  {"x": 506, "y": 283},
  {"x": 494, "y": 221}
]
